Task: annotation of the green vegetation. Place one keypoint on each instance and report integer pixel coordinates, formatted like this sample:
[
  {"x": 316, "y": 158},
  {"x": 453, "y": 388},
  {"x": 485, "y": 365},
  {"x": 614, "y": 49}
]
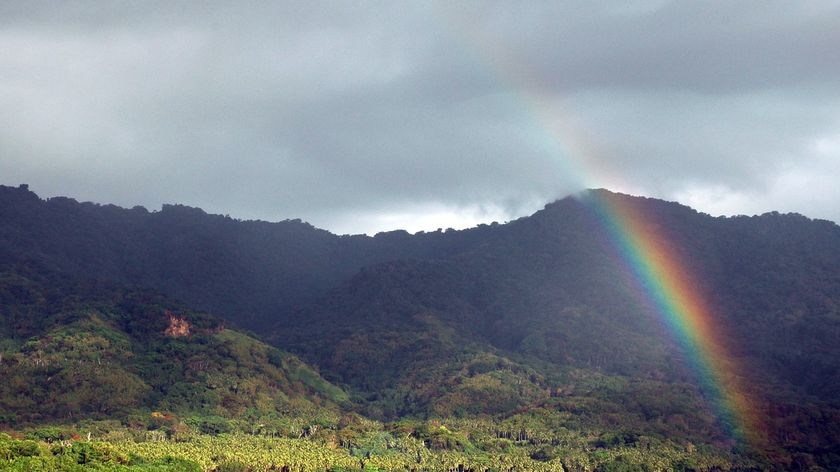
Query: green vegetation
[
  {"x": 523, "y": 345},
  {"x": 112, "y": 353},
  {"x": 354, "y": 444}
]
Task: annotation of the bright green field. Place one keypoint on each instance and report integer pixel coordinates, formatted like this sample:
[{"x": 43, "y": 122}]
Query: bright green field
[{"x": 356, "y": 445}]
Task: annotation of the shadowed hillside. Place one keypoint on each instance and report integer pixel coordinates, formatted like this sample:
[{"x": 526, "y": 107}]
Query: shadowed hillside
[
  {"x": 535, "y": 315},
  {"x": 252, "y": 271}
]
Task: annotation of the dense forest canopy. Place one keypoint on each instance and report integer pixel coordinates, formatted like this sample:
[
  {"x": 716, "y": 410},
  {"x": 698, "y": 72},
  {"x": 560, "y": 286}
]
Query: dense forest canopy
[{"x": 526, "y": 332}]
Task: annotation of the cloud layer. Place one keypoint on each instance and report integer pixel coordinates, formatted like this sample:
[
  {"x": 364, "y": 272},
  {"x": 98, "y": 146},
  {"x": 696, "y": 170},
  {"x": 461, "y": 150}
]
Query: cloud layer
[{"x": 360, "y": 117}]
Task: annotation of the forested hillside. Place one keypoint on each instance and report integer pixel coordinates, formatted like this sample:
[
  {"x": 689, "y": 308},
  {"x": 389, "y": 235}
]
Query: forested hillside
[
  {"x": 535, "y": 312},
  {"x": 90, "y": 350},
  {"x": 531, "y": 332},
  {"x": 248, "y": 270}
]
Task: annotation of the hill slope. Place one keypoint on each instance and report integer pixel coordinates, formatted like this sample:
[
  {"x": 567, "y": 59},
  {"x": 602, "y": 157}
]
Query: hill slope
[
  {"x": 536, "y": 315},
  {"x": 542, "y": 313},
  {"x": 73, "y": 349},
  {"x": 247, "y": 270}
]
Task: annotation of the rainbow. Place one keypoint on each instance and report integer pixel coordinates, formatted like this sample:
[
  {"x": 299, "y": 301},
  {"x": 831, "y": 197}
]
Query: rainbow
[
  {"x": 655, "y": 266},
  {"x": 678, "y": 298}
]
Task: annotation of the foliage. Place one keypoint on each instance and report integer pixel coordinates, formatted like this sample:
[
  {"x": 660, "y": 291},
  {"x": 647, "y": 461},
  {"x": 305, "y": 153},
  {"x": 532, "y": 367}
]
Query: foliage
[
  {"x": 104, "y": 353},
  {"x": 246, "y": 452},
  {"x": 524, "y": 344}
]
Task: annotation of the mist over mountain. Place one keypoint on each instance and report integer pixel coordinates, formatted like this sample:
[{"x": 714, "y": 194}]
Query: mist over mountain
[{"x": 538, "y": 314}]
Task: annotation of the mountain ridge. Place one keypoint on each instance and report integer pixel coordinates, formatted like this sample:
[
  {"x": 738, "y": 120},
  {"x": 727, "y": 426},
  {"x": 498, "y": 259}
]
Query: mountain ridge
[{"x": 537, "y": 314}]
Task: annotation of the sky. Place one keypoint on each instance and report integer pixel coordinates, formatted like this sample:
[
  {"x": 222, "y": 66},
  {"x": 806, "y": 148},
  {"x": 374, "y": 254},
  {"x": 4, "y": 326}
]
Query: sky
[{"x": 365, "y": 116}]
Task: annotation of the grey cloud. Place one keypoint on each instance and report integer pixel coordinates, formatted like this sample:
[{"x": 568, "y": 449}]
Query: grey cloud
[
  {"x": 705, "y": 46},
  {"x": 326, "y": 110}
]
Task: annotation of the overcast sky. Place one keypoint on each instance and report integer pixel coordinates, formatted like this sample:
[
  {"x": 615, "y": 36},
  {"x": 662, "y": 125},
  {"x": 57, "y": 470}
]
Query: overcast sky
[{"x": 365, "y": 116}]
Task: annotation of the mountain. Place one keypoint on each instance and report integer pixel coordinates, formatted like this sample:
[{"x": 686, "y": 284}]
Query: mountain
[
  {"x": 535, "y": 322},
  {"x": 548, "y": 286},
  {"x": 539, "y": 313},
  {"x": 247, "y": 270},
  {"x": 75, "y": 349}
]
